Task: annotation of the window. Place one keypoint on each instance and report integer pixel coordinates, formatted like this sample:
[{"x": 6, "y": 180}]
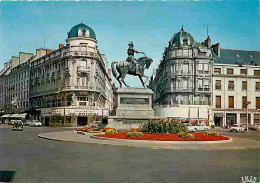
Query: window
[
  {"x": 257, "y": 72},
  {"x": 82, "y": 99},
  {"x": 244, "y": 102},
  {"x": 217, "y": 70},
  {"x": 257, "y": 119},
  {"x": 257, "y": 86},
  {"x": 185, "y": 42},
  {"x": 83, "y": 32},
  {"x": 78, "y": 80},
  {"x": 244, "y": 85},
  {"x": 218, "y": 85},
  {"x": 231, "y": 85},
  {"x": 231, "y": 102},
  {"x": 243, "y": 71},
  {"x": 230, "y": 71},
  {"x": 257, "y": 102},
  {"x": 218, "y": 101}
]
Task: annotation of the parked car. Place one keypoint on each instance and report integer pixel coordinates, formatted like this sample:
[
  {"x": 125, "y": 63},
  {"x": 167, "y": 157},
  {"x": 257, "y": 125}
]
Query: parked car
[
  {"x": 35, "y": 123},
  {"x": 194, "y": 128},
  {"x": 27, "y": 122},
  {"x": 236, "y": 128},
  {"x": 253, "y": 127},
  {"x": 11, "y": 122},
  {"x": 18, "y": 125}
]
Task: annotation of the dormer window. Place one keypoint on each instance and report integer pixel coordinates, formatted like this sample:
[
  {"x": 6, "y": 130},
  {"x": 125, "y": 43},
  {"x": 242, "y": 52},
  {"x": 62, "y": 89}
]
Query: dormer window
[
  {"x": 83, "y": 32},
  {"x": 185, "y": 42}
]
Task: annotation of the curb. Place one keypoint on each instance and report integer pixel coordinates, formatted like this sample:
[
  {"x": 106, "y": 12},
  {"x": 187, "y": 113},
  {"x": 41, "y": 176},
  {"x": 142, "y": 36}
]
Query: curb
[{"x": 154, "y": 144}]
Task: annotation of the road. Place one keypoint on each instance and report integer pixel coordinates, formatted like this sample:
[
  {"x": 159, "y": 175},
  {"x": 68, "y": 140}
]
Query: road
[{"x": 38, "y": 160}]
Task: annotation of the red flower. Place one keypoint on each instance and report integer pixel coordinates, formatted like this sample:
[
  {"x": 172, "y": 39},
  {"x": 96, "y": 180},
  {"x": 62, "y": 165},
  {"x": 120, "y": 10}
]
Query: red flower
[{"x": 165, "y": 137}]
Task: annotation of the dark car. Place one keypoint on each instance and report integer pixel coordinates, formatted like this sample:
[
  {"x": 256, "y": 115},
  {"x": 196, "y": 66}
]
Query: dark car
[{"x": 18, "y": 125}]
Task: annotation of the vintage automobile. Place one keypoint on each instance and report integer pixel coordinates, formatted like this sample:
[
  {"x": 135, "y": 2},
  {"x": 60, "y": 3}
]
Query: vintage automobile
[
  {"x": 236, "y": 128},
  {"x": 18, "y": 125},
  {"x": 253, "y": 127},
  {"x": 35, "y": 123},
  {"x": 27, "y": 122},
  {"x": 198, "y": 127},
  {"x": 11, "y": 122}
]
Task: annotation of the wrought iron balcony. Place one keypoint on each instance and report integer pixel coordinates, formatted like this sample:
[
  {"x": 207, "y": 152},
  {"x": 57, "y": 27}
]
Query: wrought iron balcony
[{"x": 83, "y": 70}]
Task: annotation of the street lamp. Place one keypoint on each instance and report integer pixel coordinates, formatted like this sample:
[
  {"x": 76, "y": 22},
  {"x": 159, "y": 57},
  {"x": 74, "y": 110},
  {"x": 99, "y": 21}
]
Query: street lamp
[{"x": 247, "y": 102}]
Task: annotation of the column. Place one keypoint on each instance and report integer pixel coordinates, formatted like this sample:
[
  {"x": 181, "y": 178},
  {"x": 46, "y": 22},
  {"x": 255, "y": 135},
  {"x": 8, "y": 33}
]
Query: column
[{"x": 238, "y": 118}]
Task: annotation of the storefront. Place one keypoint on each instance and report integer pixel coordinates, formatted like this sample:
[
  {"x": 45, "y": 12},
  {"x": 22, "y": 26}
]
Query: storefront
[
  {"x": 231, "y": 118},
  {"x": 71, "y": 116},
  {"x": 218, "y": 119}
]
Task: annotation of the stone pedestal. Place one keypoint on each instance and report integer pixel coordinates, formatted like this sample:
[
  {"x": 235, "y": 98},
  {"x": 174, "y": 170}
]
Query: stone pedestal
[{"x": 133, "y": 106}]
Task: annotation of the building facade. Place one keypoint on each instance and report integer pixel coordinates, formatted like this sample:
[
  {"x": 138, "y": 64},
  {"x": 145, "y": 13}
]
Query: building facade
[
  {"x": 3, "y": 76},
  {"x": 16, "y": 84},
  {"x": 72, "y": 85},
  {"x": 183, "y": 81},
  {"x": 202, "y": 81},
  {"x": 236, "y": 81}
]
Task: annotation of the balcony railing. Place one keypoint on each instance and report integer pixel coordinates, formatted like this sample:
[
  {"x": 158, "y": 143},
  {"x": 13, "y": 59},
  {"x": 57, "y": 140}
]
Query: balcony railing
[
  {"x": 83, "y": 69},
  {"x": 203, "y": 89}
]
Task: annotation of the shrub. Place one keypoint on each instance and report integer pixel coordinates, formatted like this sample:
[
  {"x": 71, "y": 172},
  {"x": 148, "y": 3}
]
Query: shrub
[
  {"x": 210, "y": 133},
  {"x": 111, "y": 131},
  {"x": 186, "y": 135},
  {"x": 134, "y": 134},
  {"x": 105, "y": 129},
  {"x": 135, "y": 130},
  {"x": 160, "y": 126}
]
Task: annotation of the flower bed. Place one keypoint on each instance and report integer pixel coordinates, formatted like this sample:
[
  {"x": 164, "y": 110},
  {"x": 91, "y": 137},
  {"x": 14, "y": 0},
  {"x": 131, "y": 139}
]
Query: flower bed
[{"x": 164, "y": 137}]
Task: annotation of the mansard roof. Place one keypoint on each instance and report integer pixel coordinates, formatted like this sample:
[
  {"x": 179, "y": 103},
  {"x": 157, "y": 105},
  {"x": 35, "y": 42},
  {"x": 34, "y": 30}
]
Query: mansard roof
[{"x": 231, "y": 56}]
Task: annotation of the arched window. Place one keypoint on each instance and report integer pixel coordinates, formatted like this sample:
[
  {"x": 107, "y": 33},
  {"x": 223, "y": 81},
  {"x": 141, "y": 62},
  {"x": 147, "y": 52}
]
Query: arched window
[
  {"x": 83, "y": 32},
  {"x": 185, "y": 42}
]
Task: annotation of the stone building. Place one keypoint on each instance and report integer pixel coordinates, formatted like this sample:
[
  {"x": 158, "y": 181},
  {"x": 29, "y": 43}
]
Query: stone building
[
  {"x": 183, "y": 81},
  {"x": 3, "y": 75},
  {"x": 202, "y": 81},
  {"x": 236, "y": 80},
  {"x": 72, "y": 85},
  {"x": 16, "y": 84}
]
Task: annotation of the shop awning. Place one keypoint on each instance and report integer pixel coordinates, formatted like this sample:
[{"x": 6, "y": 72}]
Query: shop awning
[
  {"x": 6, "y": 116},
  {"x": 23, "y": 115},
  {"x": 218, "y": 115}
]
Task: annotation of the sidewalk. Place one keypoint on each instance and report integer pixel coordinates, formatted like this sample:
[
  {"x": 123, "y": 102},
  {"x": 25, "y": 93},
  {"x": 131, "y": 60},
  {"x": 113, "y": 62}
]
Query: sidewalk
[{"x": 234, "y": 144}]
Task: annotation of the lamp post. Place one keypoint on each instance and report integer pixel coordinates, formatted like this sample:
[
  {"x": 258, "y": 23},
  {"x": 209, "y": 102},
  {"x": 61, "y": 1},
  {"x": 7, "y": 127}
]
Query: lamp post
[{"x": 247, "y": 102}]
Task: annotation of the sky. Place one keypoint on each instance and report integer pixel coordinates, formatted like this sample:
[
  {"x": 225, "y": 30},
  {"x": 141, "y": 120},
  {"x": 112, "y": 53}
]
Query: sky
[{"x": 149, "y": 24}]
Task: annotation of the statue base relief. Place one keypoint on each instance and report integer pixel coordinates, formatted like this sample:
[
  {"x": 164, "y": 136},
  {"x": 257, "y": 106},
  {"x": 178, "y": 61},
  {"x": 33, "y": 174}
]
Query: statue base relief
[{"x": 133, "y": 106}]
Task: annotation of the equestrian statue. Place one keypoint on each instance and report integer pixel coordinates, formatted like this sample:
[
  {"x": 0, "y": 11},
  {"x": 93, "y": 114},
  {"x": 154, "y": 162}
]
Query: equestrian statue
[{"x": 131, "y": 66}]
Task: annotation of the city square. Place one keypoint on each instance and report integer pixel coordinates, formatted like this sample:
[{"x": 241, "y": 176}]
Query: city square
[{"x": 172, "y": 96}]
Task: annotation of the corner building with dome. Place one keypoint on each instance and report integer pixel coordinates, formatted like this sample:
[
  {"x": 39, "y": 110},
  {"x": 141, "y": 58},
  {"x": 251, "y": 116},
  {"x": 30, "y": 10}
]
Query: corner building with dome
[
  {"x": 183, "y": 83},
  {"x": 71, "y": 86},
  {"x": 200, "y": 82}
]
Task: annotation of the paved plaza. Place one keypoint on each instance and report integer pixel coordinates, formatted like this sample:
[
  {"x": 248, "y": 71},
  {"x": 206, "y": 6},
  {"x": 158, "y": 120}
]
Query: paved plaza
[{"x": 39, "y": 160}]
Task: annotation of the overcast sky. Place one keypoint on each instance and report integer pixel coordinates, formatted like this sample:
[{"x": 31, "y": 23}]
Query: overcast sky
[{"x": 150, "y": 25}]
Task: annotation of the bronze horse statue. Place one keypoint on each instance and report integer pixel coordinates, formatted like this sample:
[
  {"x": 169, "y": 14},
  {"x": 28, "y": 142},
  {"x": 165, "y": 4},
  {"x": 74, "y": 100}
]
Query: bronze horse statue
[{"x": 123, "y": 68}]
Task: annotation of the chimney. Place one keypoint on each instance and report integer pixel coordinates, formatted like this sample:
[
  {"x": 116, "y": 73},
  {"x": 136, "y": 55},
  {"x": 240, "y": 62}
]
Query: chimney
[
  {"x": 61, "y": 46},
  {"x": 207, "y": 42},
  {"x": 216, "y": 49}
]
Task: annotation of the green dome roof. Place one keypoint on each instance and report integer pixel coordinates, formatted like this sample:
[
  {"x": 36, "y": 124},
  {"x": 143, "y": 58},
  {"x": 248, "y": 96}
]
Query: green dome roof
[
  {"x": 180, "y": 37},
  {"x": 82, "y": 30}
]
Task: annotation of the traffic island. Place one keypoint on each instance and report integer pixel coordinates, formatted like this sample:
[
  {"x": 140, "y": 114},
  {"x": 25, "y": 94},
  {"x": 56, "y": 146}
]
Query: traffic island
[
  {"x": 233, "y": 144},
  {"x": 166, "y": 137}
]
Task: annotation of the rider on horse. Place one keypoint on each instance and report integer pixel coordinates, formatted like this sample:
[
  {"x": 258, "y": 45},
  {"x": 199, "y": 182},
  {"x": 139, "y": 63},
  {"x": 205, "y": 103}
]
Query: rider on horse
[{"x": 131, "y": 59}]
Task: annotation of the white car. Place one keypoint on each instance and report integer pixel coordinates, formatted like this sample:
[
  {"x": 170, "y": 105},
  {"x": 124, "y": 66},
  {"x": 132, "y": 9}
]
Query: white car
[
  {"x": 191, "y": 128},
  {"x": 236, "y": 128},
  {"x": 35, "y": 123}
]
